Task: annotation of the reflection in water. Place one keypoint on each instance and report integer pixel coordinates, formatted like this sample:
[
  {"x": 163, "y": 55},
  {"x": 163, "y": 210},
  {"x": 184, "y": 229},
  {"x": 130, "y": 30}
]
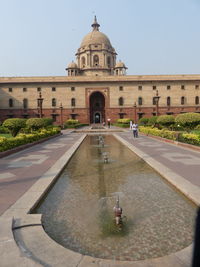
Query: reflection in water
[{"x": 78, "y": 211}]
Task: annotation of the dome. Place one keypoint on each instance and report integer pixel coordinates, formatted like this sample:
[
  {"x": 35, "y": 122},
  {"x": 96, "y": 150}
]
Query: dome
[
  {"x": 95, "y": 37},
  {"x": 72, "y": 65},
  {"x": 120, "y": 65}
]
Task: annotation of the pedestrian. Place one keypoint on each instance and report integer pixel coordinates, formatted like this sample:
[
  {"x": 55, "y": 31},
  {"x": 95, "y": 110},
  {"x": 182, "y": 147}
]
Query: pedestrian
[
  {"x": 135, "y": 130},
  {"x": 108, "y": 123}
]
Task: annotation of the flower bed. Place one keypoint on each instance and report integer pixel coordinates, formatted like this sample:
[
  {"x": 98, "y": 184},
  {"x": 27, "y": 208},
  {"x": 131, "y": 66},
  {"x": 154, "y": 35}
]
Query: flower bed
[{"x": 21, "y": 139}]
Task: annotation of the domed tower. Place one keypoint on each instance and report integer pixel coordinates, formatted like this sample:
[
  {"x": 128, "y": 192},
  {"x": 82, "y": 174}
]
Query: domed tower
[
  {"x": 96, "y": 56},
  {"x": 120, "y": 68}
]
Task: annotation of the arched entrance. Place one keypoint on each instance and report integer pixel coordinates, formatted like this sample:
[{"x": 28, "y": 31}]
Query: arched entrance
[{"x": 97, "y": 108}]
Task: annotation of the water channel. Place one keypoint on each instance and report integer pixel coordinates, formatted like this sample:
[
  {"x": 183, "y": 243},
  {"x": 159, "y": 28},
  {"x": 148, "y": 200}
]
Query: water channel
[{"x": 78, "y": 210}]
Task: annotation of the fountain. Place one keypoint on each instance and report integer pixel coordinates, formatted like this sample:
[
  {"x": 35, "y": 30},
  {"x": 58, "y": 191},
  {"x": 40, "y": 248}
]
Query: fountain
[
  {"x": 78, "y": 210},
  {"x": 118, "y": 214}
]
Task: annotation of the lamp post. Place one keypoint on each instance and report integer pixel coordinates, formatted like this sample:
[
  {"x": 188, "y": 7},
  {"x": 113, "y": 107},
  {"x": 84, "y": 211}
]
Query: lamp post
[
  {"x": 40, "y": 101},
  {"x": 61, "y": 115},
  {"x": 135, "y": 113},
  {"x": 157, "y": 97}
]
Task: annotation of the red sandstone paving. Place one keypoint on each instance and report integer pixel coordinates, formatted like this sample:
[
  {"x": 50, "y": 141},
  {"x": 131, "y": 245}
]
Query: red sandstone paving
[
  {"x": 189, "y": 172},
  {"x": 13, "y": 188}
]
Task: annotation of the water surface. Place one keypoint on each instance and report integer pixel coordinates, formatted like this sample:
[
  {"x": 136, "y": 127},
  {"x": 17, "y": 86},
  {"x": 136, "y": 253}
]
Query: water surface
[{"x": 78, "y": 211}]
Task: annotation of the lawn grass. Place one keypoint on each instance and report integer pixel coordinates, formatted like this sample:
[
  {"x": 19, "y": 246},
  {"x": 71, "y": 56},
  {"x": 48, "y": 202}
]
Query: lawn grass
[{"x": 6, "y": 135}]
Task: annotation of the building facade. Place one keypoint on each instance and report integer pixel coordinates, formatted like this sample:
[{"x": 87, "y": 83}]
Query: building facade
[{"x": 96, "y": 88}]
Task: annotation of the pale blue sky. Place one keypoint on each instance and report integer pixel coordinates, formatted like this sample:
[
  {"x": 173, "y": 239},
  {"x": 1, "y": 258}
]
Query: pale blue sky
[{"x": 40, "y": 37}]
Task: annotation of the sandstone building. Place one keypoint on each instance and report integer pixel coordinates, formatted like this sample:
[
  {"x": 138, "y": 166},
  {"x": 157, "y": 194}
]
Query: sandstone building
[{"x": 96, "y": 88}]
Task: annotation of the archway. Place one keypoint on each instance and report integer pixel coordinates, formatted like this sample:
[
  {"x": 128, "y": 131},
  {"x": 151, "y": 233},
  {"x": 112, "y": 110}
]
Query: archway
[{"x": 97, "y": 108}]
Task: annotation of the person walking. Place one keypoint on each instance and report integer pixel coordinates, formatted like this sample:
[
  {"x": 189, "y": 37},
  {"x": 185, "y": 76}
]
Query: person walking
[{"x": 135, "y": 130}]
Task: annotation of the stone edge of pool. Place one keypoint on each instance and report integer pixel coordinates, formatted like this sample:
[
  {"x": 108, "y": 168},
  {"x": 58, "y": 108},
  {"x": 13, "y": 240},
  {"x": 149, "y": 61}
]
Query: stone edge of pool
[{"x": 23, "y": 240}]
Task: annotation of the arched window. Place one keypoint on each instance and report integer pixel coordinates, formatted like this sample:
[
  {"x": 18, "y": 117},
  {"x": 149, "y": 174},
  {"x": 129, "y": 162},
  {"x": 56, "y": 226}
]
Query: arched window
[
  {"x": 96, "y": 60},
  {"x": 53, "y": 102},
  {"x": 140, "y": 101},
  {"x": 10, "y": 103},
  {"x": 121, "y": 101},
  {"x": 108, "y": 61},
  {"x": 83, "y": 62},
  {"x": 73, "y": 102},
  {"x": 154, "y": 101},
  {"x": 168, "y": 101},
  {"x": 197, "y": 100},
  {"x": 182, "y": 100},
  {"x": 25, "y": 103}
]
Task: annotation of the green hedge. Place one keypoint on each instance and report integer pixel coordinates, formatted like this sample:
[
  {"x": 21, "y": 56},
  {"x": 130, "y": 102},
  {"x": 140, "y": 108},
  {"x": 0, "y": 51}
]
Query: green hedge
[
  {"x": 188, "y": 120},
  {"x": 188, "y": 138},
  {"x": 14, "y": 125},
  {"x": 162, "y": 133},
  {"x": 22, "y": 139}
]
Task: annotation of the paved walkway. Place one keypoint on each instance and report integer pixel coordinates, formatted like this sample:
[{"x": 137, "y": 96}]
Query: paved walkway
[
  {"x": 182, "y": 161},
  {"x": 19, "y": 171}
]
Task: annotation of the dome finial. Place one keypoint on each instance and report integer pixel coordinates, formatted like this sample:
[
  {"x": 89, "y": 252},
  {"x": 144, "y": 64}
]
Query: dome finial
[{"x": 95, "y": 24}]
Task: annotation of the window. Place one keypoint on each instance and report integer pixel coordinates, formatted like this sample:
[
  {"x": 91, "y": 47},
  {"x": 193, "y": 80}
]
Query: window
[
  {"x": 73, "y": 102},
  {"x": 39, "y": 89},
  {"x": 96, "y": 60},
  {"x": 53, "y": 102},
  {"x": 121, "y": 88},
  {"x": 121, "y": 101},
  {"x": 83, "y": 62},
  {"x": 140, "y": 101},
  {"x": 168, "y": 87},
  {"x": 53, "y": 89},
  {"x": 197, "y": 100},
  {"x": 197, "y": 86},
  {"x": 183, "y": 87},
  {"x": 108, "y": 61},
  {"x": 25, "y": 103},
  {"x": 10, "y": 89},
  {"x": 10, "y": 102},
  {"x": 73, "y": 116},
  {"x": 154, "y": 87},
  {"x": 168, "y": 101},
  {"x": 121, "y": 115},
  {"x": 182, "y": 100},
  {"x": 54, "y": 117},
  {"x": 140, "y": 87},
  {"x": 154, "y": 101},
  {"x": 24, "y": 89},
  {"x": 72, "y": 88}
]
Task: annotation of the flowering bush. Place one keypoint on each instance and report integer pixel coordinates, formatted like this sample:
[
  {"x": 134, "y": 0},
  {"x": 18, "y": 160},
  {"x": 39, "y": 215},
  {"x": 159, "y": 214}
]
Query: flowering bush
[
  {"x": 21, "y": 139},
  {"x": 156, "y": 132}
]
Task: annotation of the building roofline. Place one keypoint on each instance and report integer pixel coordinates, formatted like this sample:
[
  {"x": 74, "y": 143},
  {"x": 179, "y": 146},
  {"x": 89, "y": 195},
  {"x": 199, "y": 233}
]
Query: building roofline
[{"x": 110, "y": 78}]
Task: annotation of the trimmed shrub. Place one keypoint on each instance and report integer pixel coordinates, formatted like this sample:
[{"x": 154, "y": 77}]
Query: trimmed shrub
[
  {"x": 188, "y": 120},
  {"x": 35, "y": 123},
  {"x": 156, "y": 132},
  {"x": 71, "y": 123},
  {"x": 124, "y": 121},
  {"x": 190, "y": 138},
  {"x": 143, "y": 121},
  {"x": 47, "y": 121},
  {"x": 4, "y": 130},
  {"x": 14, "y": 125},
  {"x": 21, "y": 139},
  {"x": 166, "y": 120},
  {"x": 152, "y": 121}
]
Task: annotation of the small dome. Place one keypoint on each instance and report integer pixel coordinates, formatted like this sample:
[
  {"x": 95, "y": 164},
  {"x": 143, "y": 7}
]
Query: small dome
[
  {"x": 72, "y": 65},
  {"x": 95, "y": 37},
  {"x": 120, "y": 65}
]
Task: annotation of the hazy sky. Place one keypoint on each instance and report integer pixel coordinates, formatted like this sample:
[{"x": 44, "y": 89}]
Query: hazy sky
[{"x": 40, "y": 37}]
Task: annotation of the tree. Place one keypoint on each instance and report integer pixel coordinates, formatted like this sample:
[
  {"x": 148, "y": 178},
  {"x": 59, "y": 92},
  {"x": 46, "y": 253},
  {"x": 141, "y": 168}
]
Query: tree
[
  {"x": 143, "y": 121},
  {"x": 35, "y": 123},
  {"x": 14, "y": 125}
]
